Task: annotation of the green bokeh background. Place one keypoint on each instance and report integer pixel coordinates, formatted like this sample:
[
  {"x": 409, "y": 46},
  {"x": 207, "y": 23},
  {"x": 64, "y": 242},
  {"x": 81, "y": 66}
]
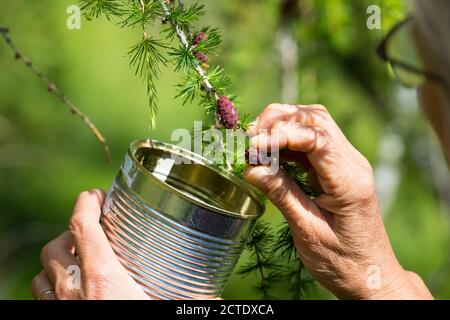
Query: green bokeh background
[{"x": 47, "y": 156}]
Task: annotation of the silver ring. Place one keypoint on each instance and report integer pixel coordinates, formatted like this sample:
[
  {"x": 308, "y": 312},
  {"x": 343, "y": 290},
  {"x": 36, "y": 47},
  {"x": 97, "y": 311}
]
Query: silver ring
[{"x": 46, "y": 292}]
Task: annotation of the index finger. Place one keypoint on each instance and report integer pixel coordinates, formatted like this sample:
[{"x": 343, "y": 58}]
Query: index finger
[{"x": 310, "y": 115}]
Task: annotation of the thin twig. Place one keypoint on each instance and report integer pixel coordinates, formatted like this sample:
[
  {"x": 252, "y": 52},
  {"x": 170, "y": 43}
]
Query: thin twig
[
  {"x": 51, "y": 87},
  {"x": 207, "y": 85},
  {"x": 184, "y": 41},
  {"x": 181, "y": 3},
  {"x": 144, "y": 31}
]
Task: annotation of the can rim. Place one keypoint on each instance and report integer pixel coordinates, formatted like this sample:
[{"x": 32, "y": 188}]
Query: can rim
[{"x": 247, "y": 188}]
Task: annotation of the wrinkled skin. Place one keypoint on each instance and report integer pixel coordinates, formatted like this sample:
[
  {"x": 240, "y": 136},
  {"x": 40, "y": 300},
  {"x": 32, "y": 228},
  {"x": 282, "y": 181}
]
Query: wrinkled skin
[
  {"x": 340, "y": 235},
  {"x": 102, "y": 275}
]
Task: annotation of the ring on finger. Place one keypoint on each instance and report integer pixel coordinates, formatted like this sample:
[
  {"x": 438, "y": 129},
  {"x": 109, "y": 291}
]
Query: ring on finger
[{"x": 45, "y": 293}]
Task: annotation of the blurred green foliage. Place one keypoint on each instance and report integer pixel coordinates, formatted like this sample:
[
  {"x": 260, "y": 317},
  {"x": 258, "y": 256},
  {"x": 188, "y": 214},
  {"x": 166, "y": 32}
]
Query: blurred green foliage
[{"x": 47, "y": 156}]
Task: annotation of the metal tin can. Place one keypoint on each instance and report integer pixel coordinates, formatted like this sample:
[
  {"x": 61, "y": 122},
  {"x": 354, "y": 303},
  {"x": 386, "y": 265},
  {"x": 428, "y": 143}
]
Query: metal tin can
[{"x": 179, "y": 229}]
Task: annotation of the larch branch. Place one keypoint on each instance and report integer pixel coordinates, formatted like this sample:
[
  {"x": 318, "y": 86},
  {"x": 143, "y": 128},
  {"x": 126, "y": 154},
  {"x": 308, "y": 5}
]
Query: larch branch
[
  {"x": 185, "y": 42},
  {"x": 51, "y": 87},
  {"x": 207, "y": 85}
]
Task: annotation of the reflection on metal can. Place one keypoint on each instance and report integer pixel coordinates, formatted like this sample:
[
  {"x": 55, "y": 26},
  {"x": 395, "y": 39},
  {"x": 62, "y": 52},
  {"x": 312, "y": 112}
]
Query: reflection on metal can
[{"x": 178, "y": 227}]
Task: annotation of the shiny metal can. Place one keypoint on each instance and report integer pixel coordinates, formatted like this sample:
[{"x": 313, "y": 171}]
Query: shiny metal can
[{"x": 178, "y": 228}]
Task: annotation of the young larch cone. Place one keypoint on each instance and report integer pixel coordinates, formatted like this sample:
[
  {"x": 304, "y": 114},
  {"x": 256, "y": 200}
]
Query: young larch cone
[
  {"x": 256, "y": 157},
  {"x": 227, "y": 113},
  {"x": 199, "y": 37},
  {"x": 203, "y": 58}
]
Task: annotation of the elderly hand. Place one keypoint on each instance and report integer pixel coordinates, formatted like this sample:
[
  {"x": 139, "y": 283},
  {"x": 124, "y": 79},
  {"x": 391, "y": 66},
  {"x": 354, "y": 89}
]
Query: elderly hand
[
  {"x": 340, "y": 235},
  {"x": 94, "y": 272}
]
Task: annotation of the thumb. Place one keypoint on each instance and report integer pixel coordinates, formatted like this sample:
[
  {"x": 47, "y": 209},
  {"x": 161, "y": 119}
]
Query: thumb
[
  {"x": 285, "y": 194},
  {"x": 92, "y": 245}
]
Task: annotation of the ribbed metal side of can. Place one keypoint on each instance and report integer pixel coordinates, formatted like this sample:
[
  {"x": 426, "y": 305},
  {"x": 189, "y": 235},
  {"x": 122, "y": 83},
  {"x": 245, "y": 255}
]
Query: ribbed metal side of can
[
  {"x": 172, "y": 255},
  {"x": 169, "y": 260}
]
